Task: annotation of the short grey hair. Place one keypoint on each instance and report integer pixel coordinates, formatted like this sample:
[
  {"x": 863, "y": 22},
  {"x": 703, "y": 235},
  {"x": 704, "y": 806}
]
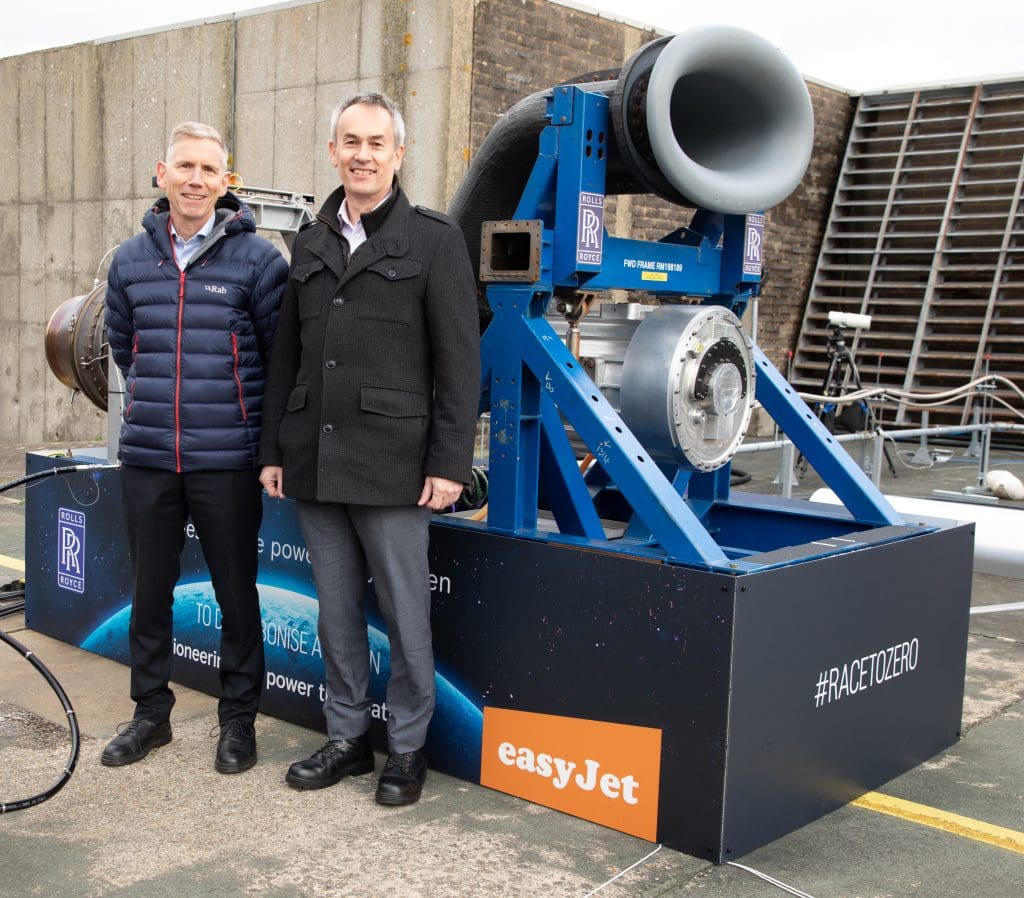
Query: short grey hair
[
  {"x": 372, "y": 99},
  {"x": 201, "y": 132}
]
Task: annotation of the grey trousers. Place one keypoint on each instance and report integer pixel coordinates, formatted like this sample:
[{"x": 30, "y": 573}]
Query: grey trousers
[{"x": 346, "y": 543}]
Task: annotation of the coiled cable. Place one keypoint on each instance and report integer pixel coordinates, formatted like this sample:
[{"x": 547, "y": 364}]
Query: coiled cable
[{"x": 7, "y": 807}]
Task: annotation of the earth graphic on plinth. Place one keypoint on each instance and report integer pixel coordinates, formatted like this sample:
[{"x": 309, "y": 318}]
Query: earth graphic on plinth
[{"x": 291, "y": 650}]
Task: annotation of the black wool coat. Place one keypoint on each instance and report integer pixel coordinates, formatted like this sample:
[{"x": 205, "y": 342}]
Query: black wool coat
[{"x": 374, "y": 379}]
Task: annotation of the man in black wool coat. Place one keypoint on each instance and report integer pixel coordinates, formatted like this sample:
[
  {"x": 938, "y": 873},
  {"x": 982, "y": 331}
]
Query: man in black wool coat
[{"x": 369, "y": 422}]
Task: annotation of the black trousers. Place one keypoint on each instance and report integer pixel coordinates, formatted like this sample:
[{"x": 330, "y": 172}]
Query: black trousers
[{"x": 226, "y": 508}]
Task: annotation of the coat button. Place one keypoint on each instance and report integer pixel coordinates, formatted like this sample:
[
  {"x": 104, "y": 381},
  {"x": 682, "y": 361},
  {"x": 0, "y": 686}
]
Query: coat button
[
  {"x": 330, "y": 363},
  {"x": 392, "y": 273},
  {"x": 328, "y": 428},
  {"x": 337, "y": 301}
]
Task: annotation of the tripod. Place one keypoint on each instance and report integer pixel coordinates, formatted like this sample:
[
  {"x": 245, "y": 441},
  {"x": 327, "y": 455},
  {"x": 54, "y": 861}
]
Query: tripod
[{"x": 853, "y": 417}]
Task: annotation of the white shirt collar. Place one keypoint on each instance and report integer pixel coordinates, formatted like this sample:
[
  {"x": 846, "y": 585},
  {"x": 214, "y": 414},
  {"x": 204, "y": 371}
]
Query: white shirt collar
[{"x": 343, "y": 218}]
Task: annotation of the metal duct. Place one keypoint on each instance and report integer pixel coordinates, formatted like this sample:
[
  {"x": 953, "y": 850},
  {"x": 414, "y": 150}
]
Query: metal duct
[
  {"x": 714, "y": 117},
  {"x": 76, "y": 345}
]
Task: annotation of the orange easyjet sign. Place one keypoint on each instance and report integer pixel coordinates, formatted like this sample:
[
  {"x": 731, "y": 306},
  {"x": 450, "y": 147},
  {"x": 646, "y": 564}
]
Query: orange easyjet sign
[{"x": 605, "y": 772}]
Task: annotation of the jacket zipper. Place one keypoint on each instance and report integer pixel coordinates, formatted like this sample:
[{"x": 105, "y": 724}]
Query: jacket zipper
[
  {"x": 177, "y": 366},
  {"x": 238, "y": 382},
  {"x": 135, "y": 354},
  {"x": 177, "y": 378},
  {"x": 181, "y": 313}
]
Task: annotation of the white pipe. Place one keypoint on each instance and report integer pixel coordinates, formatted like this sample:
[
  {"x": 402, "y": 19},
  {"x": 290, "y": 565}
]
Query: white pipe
[{"x": 998, "y": 532}]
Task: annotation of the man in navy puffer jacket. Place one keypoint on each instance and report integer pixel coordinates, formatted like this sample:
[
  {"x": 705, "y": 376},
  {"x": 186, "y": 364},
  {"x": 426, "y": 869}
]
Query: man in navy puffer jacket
[{"x": 192, "y": 303}]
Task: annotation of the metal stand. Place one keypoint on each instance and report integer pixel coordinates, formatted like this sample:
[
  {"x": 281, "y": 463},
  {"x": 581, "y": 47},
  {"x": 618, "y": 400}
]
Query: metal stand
[
  {"x": 532, "y": 384},
  {"x": 841, "y": 372}
]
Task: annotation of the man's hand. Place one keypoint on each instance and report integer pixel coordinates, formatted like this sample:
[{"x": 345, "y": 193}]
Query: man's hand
[
  {"x": 438, "y": 493},
  {"x": 272, "y": 478}
]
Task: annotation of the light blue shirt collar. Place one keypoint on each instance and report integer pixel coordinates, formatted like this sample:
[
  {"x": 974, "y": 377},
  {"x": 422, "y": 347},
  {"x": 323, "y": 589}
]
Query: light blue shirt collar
[{"x": 185, "y": 249}]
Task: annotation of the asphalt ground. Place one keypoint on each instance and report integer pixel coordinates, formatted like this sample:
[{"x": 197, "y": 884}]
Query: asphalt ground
[{"x": 170, "y": 825}]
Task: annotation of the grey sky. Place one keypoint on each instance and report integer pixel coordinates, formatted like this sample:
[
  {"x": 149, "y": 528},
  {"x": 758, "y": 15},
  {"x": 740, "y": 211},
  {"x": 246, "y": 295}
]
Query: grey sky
[{"x": 868, "y": 45}]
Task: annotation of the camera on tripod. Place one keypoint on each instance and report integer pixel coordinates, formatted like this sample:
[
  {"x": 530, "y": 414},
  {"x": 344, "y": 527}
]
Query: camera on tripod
[
  {"x": 842, "y": 375},
  {"x": 840, "y": 361},
  {"x": 850, "y": 320}
]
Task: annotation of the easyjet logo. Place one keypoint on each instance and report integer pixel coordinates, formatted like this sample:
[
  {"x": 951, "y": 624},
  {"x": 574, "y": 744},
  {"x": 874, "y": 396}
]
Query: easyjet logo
[
  {"x": 559, "y": 770},
  {"x": 605, "y": 772}
]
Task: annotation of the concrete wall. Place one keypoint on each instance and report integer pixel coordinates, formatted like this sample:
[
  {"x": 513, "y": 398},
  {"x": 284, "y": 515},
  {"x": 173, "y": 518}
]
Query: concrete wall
[
  {"x": 86, "y": 125},
  {"x": 295, "y": 64}
]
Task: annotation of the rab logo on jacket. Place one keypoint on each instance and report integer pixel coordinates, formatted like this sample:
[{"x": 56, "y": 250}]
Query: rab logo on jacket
[
  {"x": 214, "y": 289},
  {"x": 604, "y": 772}
]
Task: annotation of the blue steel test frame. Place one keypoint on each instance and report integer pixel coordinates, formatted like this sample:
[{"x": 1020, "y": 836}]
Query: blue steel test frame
[{"x": 531, "y": 379}]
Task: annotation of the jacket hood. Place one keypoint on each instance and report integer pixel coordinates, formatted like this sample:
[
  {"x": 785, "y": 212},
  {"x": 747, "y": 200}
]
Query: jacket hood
[{"x": 232, "y": 214}]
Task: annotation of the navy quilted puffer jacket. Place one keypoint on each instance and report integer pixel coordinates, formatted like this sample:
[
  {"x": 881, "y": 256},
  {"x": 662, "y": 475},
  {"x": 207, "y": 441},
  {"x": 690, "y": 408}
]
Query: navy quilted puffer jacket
[{"x": 193, "y": 344}]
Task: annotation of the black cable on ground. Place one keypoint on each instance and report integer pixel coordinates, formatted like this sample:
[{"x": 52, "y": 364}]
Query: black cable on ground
[
  {"x": 14, "y": 607},
  {"x": 7, "y": 594},
  {"x": 7, "y": 807}
]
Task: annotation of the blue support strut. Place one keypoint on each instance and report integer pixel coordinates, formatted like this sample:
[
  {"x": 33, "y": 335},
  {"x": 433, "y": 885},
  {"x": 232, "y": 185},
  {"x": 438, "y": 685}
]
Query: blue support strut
[{"x": 532, "y": 380}]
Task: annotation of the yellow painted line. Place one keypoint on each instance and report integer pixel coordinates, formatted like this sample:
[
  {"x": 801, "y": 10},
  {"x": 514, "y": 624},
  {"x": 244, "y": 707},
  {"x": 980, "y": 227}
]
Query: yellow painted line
[
  {"x": 14, "y": 563},
  {"x": 967, "y": 827}
]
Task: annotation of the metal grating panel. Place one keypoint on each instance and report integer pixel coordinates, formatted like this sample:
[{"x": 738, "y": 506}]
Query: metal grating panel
[{"x": 926, "y": 235}]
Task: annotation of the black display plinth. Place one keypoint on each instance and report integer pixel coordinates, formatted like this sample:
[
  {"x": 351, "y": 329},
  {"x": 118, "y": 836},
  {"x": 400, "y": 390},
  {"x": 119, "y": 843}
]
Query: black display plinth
[{"x": 758, "y": 702}]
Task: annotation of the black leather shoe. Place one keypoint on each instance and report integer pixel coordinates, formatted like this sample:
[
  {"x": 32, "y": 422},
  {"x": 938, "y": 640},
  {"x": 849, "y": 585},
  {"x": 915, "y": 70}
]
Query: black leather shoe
[
  {"x": 139, "y": 738},
  {"x": 236, "y": 748},
  {"x": 401, "y": 781},
  {"x": 338, "y": 758}
]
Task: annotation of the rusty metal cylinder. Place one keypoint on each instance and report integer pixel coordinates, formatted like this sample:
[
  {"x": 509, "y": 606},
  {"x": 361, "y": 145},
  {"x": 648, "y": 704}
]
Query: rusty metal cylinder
[{"x": 76, "y": 345}]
